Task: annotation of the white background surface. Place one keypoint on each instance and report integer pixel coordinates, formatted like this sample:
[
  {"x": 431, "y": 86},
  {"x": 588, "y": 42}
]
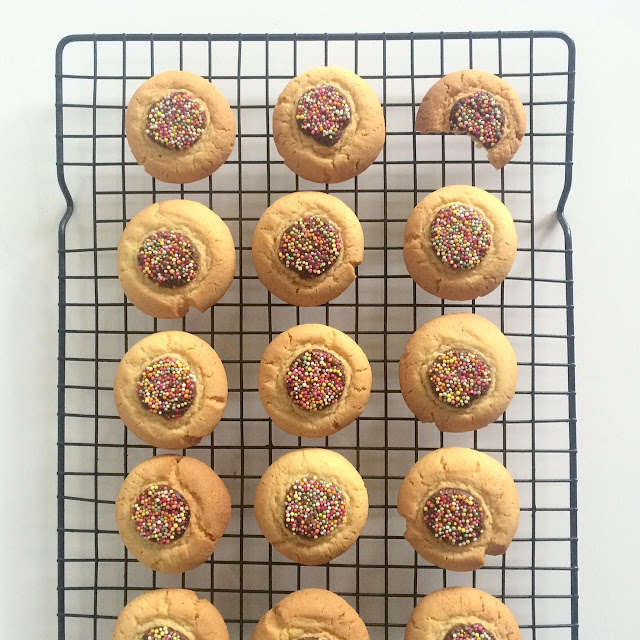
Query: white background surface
[{"x": 603, "y": 211}]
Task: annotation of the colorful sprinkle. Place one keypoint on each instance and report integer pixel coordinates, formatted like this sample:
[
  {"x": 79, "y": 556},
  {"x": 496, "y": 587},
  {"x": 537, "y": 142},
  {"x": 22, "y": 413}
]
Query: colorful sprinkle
[
  {"x": 454, "y": 516},
  {"x": 176, "y": 121},
  {"x": 310, "y": 246},
  {"x": 315, "y": 379},
  {"x": 323, "y": 113},
  {"x": 168, "y": 258},
  {"x": 162, "y": 633},
  {"x": 469, "y": 632},
  {"x": 161, "y": 514},
  {"x": 460, "y": 236},
  {"x": 459, "y": 377},
  {"x": 314, "y": 508},
  {"x": 479, "y": 115},
  {"x": 167, "y": 387}
]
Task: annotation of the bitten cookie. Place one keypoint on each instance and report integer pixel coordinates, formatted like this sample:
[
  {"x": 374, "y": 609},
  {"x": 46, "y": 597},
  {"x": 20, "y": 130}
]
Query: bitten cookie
[
  {"x": 311, "y": 614},
  {"x": 313, "y": 380},
  {"x": 171, "y": 389},
  {"x": 479, "y": 104},
  {"x": 175, "y": 255},
  {"x": 170, "y": 614},
  {"x": 171, "y": 511},
  {"x": 311, "y": 505},
  {"x": 328, "y": 125},
  {"x": 306, "y": 246},
  {"x": 458, "y": 371},
  {"x": 180, "y": 127},
  {"x": 459, "y": 243},
  {"x": 461, "y": 613},
  {"x": 459, "y": 504}
]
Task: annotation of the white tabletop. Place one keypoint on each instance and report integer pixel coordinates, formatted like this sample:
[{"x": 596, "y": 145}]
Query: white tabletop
[{"x": 602, "y": 210}]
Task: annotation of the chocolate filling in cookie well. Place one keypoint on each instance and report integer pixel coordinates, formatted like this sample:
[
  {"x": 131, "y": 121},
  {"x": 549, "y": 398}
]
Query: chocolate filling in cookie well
[
  {"x": 176, "y": 121},
  {"x": 314, "y": 508},
  {"x": 310, "y": 246},
  {"x": 480, "y": 116},
  {"x": 475, "y": 631},
  {"x": 323, "y": 113},
  {"x": 161, "y": 514},
  {"x": 458, "y": 377},
  {"x": 162, "y": 633},
  {"x": 454, "y": 516},
  {"x": 168, "y": 258},
  {"x": 315, "y": 379},
  {"x": 460, "y": 236},
  {"x": 167, "y": 387}
]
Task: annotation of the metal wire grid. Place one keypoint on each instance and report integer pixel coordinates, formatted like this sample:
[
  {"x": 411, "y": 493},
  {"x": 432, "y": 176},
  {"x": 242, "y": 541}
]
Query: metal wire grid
[{"x": 381, "y": 575}]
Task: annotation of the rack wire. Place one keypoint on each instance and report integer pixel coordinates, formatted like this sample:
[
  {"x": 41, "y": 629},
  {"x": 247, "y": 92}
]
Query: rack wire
[{"x": 536, "y": 438}]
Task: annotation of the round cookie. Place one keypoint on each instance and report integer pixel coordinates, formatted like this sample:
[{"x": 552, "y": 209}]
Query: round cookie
[
  {"x": 459, "y": 243},
  {"x": 461, "y": 613},
  {"x": 170, "y": 614},
  {"x": 180, "y": 127},
  {"x": 459, "y": 504},
  {"x": 171, "y": 389},
  {"x": 171, "y": 511},
  {"x": 306, "y": 247},
  {"x": 311, "y": 614},
  {"x": 311, "y": 505},
  {"x": 328, "y": 125},
  {"x": 458, "y": 371},
  {"x": 313, "y": 380},
  {"x": 175, "y": 255},
  {"x": 477, "y": 103}
]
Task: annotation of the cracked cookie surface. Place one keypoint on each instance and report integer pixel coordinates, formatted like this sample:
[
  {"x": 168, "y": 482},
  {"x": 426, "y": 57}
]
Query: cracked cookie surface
[
  {"x": 359, "y": 142},
  {"x": 202, "y": 492},
  {"x": 166, "y": 370}
]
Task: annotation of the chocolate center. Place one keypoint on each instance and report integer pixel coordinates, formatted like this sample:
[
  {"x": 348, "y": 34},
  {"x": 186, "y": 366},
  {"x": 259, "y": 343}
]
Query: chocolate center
[
  {"x": 162, "y": 633},
  {"x": 323, "y": 113},
  {"x": 168, "y": 258},
  {"x": 161, "y": 514},
  {"x": 176, "y": 121},
  {"x": 167, "y": 387},
  {"x": 315, "y": 379},
  {"x": 454, "y": 516},
  {"x": 480, "y": 116},
  {"x": 474, "y": 631}
]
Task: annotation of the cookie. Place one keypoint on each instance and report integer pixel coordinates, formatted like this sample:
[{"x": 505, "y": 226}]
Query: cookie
[
  {"x": 311, "y": 614},
  {"x": 170, "y": 614},
  {"x": 459, "y": 243},
  {"x": 180, "y": 127},
  {"x": 175, "y": 255},
  {"x": 458, "y": 371},
  {"x": 459, "y": 504},
  {"x": 311, "y": 505},
  {"x": 171, "y": 511},
  {"x": 461, "y": 613},
  {"x": 477, "y": 103},
  {"x": 313, "y": 380},
  {"x": 306, "y": 247},
  {"x": 328, "y": 125},
  {"x": 171, "y": 389}
]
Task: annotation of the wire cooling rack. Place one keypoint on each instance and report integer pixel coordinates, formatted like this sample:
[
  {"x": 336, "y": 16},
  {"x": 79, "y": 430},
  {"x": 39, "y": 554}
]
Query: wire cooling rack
[{"x": 103, "y": 186}]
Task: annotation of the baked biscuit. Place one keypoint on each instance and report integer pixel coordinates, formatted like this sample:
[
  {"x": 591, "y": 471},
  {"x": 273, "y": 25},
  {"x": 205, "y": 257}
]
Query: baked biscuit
[
  {"x": 459, "y": 243},
  {"x": 311, "y": 614},
  {"x": 479, "y": 104},
  {"x": 171, "y": 389},
  {"x": 175, "y": 255},
  {"x": 458, "y": 371},
  {"x": 313, "y": 380},
  {"x": 180, "y": 127},
  {"x": 311, "y": 505},
  {"x": 171, "y": 511},
  {"x": 459, "y": 504},
  {"x": 170, "y": 614},
  {"x": 461, "y": 613},
  {"x": 328, "y": 125},
  {"x": 306, "y": 247}
]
